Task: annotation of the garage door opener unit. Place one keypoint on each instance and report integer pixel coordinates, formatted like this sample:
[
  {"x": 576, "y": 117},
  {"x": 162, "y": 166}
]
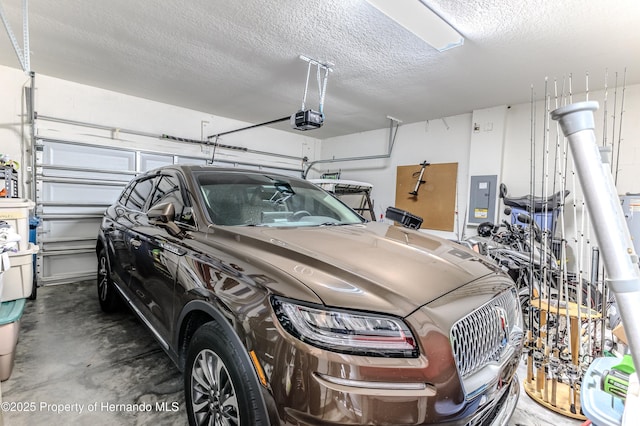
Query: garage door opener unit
[{"x": 308, "y": 119}]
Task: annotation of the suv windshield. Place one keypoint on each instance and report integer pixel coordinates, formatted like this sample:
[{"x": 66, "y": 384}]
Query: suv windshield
[{"x": 244, "y": 199}]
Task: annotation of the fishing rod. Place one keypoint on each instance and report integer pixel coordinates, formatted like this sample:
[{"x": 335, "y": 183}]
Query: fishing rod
[
  {"x": 581, "y": 243},
  {"x": 613, "y": 127},
  {"x": 554, "y": 361},
  {"x": 624, "y": 86},
  {"x": 612, "y": 232},
  {"x": 544, "y": 265},
  {"x": 600, "y": 273},
  {"x": 604, "y": 108},
  {"x": 566, "y": 277},
  {"x": 531, "y": 208},
  {"x": 530, "y": 331}
]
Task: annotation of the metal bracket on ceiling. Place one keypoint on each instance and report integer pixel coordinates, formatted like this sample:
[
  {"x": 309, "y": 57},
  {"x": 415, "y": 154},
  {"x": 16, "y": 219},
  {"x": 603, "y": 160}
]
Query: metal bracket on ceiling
[
  {"x": 23, "y": 54},
  {"x": 392, "y": 134},
  {"x": 322, "y": 87}
]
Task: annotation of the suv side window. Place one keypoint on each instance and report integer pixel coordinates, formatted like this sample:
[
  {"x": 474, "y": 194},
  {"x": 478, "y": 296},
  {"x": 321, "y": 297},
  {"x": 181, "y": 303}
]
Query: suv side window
[
  {"x": 168, "y": 190},
  {"x": 139, "y": 194},
  {"x": 125, "y": 193}
]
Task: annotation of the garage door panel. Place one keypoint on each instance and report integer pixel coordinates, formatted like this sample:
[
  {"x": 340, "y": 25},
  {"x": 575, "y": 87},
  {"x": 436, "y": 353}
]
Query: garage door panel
[
  {"x": 190, "y": 160},
  {"x": 62, "y": 244},
  {"x": 79, "y": 192},
  {"x": 80, "y": 229},
  {"x": 62, "y": 209},
  {"x": 151, "y": 161},
  {"x": 58, "y": 268},
  {"x": 75, "y": 182},
  {"x": 61, "y": 173},
  {"x": 292, "y": 172},
  {"x": 75, "y": 155}
]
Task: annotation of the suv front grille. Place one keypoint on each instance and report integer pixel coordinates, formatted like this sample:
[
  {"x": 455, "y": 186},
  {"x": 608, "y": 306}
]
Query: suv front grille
[
  {"x": 481, "y": 336},
  {"x": 488, "y": 414}
]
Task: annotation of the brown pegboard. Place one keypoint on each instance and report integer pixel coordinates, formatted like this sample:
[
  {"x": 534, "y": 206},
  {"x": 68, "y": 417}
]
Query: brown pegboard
[{"x": 436, "y": 199}]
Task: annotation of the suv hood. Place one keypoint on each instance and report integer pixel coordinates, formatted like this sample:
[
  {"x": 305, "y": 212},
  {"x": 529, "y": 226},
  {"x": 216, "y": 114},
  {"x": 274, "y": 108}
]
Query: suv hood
[{"x": 373, "y": 266}]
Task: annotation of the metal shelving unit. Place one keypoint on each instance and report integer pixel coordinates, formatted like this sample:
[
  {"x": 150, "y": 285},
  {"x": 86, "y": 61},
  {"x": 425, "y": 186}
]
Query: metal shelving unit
[
  {"x": 9, "y": 181},
  {"x": 341, "y": 187}
]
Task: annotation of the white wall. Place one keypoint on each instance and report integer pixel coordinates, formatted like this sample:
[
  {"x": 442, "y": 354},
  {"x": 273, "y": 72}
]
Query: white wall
[
  {"x": 485, "y": 156},
  {"x": 450, "y": 139},
  {"x": 549, "y": 174},
  {"x": 502, "y": 146},
  {"x": 436, "y": 141},
  {"x": 517, "y": 156},
  {"x": 11, "y": 112},
  {"x": 63, "y": 99}
]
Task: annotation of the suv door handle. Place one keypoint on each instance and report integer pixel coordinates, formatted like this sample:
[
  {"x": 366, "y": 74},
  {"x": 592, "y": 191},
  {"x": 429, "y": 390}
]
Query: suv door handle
[{"x": 135, "y": 243}]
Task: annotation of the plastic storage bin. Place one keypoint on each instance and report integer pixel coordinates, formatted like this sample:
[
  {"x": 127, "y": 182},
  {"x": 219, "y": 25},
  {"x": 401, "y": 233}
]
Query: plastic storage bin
[
  {"x": 15, "y": 212},
  {"x": 5, "y": 265},
  {"x": 18, "y": 280},
  {"x": 545, "y": 224},
  {"x": 10, "y": 314}
]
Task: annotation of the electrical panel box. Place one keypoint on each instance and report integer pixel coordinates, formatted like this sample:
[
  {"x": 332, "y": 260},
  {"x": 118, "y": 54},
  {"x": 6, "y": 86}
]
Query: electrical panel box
[{"x": 482, "y": 199}]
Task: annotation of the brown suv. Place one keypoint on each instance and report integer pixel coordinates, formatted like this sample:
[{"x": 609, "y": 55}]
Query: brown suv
[{"x": 283, "y": 306}]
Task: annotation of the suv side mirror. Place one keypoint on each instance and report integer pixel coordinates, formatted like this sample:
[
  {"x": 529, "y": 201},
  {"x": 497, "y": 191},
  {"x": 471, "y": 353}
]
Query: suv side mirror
[{"x": 163, "y": 215}]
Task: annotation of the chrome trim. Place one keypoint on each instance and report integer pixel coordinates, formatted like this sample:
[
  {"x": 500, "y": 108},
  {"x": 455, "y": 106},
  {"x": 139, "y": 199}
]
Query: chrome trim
[
  {"x": 162, "y": 342},
  {"x": 361, "y": 387},
  {"x": 482, "y": 336},
  {"x": 507, "y": 404}
]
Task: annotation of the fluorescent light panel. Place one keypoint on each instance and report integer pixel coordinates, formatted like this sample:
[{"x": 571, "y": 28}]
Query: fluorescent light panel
[{"x": 418, "y": 18}]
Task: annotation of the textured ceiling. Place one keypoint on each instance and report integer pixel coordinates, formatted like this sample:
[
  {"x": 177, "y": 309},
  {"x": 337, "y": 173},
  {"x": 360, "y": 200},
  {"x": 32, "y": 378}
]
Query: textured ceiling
[{"x": 240, "y": 59}]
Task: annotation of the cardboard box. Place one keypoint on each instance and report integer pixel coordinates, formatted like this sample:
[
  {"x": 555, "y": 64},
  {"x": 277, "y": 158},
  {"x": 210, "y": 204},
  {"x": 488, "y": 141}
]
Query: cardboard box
[{"x": 618, "y": 331}]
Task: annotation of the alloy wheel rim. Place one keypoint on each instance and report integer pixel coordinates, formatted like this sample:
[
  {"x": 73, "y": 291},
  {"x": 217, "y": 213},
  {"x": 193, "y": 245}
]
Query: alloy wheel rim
[
  {"x": 213, "y": 396},
  {"x": 102, "y": 283}
]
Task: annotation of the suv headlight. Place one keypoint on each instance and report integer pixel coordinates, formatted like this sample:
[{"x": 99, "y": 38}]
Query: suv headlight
[{"x": 350, "y": 332}]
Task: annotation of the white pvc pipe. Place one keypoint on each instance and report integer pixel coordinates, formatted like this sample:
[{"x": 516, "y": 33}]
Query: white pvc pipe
[{"x": 618, "y": 255}]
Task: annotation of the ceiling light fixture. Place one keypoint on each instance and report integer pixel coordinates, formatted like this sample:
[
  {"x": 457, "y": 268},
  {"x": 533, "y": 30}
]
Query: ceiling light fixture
[{"x": 418, "y": 18}]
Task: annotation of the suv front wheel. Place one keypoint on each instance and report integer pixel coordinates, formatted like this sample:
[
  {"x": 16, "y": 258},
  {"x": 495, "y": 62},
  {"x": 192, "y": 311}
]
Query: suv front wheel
[
  {"x": 108, "y": 296},
  {"x": 218, "y": 385}
]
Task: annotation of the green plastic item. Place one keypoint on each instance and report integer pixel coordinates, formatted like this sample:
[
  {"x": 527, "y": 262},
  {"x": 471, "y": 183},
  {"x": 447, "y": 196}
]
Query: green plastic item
[
  {"x": 616, "y": 380},
  {"x": 626, "y": 366},
  {"x": 11, "y": 311}
]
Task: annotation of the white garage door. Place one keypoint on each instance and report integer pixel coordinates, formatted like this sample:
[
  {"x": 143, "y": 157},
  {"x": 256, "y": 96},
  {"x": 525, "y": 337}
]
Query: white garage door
[{"x": 75, "y": 183}]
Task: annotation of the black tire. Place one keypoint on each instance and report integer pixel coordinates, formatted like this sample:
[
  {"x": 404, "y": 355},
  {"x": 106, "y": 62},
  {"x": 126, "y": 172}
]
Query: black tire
[
  {"x": 34, "y": 281},
  {"x": 110, "y": 300},
  {"x": 34, "y": 291},
  {"x": 218, "y": 383}
]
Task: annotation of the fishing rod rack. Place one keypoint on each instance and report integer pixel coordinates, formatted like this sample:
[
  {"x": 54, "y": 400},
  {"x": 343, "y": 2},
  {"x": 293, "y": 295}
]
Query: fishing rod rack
[
  {"x": 569, "y": 313},
  {"x": 554, "y": 366}
]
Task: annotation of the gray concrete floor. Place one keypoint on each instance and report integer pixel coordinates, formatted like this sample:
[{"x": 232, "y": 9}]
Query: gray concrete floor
[{"x": 77, "y": 366}]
